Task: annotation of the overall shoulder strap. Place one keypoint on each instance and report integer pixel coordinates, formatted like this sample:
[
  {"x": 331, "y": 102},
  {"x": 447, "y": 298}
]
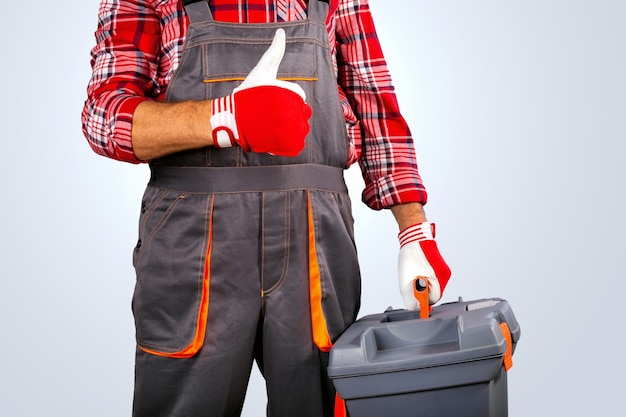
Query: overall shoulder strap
[
  {"x": 317, "y": 10},
  {"x": 197, "y": 10}
]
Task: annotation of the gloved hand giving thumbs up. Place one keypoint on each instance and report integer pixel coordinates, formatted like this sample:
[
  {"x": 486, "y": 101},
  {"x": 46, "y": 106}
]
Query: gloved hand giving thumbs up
[{"x": 263, "y": 114}]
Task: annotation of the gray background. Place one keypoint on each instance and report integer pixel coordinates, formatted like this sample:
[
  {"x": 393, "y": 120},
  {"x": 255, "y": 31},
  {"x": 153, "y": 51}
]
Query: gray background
[{"x": 518, "y": 113}]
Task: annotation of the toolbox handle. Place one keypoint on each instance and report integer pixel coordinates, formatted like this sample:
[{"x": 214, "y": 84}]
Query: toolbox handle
[{"x": 420, "y": 291}]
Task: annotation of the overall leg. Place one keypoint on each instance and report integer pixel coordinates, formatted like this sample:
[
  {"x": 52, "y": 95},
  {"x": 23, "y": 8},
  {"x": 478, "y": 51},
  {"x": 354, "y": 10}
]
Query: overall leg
[
  {"x": 292, "y": 362},
  {"x": 188, "y": 238}
]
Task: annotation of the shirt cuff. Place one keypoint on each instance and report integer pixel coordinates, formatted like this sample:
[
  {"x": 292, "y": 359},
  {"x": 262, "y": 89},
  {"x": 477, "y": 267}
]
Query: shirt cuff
[
  {"x": 395, "y": 189},
  {"x": 124, "y": 127}
]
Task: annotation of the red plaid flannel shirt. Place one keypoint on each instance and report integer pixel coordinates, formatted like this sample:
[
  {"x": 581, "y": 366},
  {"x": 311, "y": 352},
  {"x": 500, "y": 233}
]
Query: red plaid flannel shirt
[{"x": 139, "y": 45}]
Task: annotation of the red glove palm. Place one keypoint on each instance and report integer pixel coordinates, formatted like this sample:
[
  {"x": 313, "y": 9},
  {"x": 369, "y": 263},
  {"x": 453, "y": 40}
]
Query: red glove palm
[{"x": 263, "y": 114}]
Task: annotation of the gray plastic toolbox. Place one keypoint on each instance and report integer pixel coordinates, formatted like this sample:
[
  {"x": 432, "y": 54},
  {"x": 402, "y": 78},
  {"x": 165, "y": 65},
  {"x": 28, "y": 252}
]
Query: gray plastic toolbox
[{"x": 451, "y": 364}]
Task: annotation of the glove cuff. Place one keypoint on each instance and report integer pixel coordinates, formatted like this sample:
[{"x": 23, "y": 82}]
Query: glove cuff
[
  {"x": 223, "y": 123},
  {"x": 417, "y": 233}
]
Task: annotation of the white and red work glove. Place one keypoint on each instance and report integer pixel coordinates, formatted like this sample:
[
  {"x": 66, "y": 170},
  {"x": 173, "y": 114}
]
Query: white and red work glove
[
  {"x": 263, "y": 114},
  {"x": 419, "y": 256}
]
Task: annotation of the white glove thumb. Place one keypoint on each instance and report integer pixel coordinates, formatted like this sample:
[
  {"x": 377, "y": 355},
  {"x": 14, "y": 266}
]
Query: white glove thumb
[{"x": 266, "y": 70}]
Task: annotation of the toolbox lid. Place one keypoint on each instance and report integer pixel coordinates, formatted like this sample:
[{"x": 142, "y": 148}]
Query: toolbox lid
[{"x": 398, "y": 340}]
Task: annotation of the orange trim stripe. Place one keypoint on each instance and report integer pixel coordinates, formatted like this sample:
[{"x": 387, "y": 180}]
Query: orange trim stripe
[
  {"x": 508, "y": 354},
  {"x": 203, "y": 313},
  {"x": 219, "y": 80},
  {"x": 321, "y": 338},
  {"x": 340, "y": 407},
  {"x": 318, "y": 321}
]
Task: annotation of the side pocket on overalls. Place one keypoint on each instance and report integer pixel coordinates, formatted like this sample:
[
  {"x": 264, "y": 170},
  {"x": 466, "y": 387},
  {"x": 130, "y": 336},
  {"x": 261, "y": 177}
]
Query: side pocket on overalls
[
  {"x": 172, "y": 257},
  {"x": 334, "y": 276}
]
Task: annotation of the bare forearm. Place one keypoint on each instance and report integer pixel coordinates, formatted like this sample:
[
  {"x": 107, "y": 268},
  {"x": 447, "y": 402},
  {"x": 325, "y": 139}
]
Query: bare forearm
[
  {"x": 408, "y": 214},
  {"x": 163, "y": 128}
]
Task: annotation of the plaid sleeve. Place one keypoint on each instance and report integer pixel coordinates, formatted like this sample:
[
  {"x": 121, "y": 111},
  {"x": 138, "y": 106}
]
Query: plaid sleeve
[
  {"x": 382, "y": 136},
  {"x": 124, "y": 73}
]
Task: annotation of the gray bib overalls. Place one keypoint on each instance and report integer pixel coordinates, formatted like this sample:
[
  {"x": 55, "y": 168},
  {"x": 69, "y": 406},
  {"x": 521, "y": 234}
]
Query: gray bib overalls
[{"x": 246, "y": 256}]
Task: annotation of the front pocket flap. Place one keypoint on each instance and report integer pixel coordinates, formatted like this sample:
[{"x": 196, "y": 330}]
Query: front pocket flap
[
  {"x": 233, "y": 62},
  {"x": 171, "y": 298}
]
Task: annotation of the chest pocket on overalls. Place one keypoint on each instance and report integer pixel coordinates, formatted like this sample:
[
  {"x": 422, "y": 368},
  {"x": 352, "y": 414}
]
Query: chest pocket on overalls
[{"x": 226, "y": 65}]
